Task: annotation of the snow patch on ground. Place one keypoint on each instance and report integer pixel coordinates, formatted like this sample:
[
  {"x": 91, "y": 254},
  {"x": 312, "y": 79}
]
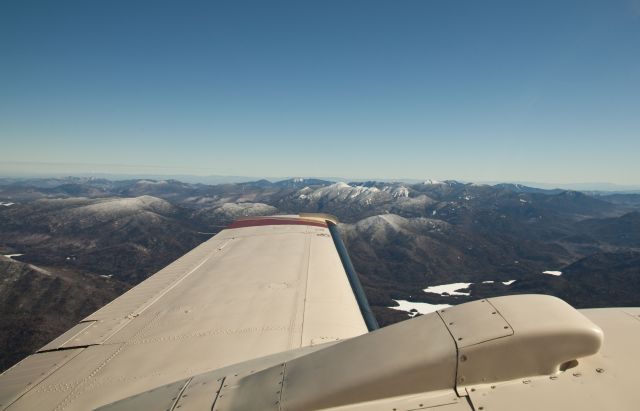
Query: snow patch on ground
[
  {"x": 552, "y": 272},
  {"x": 12, "y": 255},
  {"x": 422, "y": 308},
  {"x": 449, "y": 289},
  {"x": 6, "y": 204},
  {"x": 343, "y": 192},
  {"x": 458, "y": 288},
  {"x": 236, "y": 210},
  {"x": 128, "y": 205},
  {"x": 397, "y": 192},
  {"x": 152, "y": 182},
  {"x": 378, "y": 228}
]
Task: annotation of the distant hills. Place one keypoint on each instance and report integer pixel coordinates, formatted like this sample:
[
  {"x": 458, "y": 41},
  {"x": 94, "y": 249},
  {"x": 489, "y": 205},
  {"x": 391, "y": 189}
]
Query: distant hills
[
  {"x": 85, "y": 240},
  {"x": 230, "y": 179}
]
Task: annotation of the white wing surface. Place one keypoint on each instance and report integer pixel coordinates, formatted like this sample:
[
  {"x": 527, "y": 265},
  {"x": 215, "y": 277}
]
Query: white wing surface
[{"x": 260, "y": 287}]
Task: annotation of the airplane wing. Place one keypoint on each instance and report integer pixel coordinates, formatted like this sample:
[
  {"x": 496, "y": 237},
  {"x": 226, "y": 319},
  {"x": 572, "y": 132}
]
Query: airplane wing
[
  {"x": 267, "y": 316},
  {"x": 262, "y": 286}
]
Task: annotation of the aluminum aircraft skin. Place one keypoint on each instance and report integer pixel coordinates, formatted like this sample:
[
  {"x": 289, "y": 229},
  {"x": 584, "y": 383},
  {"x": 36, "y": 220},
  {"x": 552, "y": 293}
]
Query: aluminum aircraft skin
[{"x": 269, "y": 315}]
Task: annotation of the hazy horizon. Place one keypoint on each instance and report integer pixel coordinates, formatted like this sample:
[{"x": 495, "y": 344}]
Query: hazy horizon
[{"x": 220, "y": 179}]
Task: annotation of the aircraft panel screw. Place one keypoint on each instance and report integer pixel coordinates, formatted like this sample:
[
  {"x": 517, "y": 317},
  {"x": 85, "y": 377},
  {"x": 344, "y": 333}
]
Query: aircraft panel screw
[
  {"x": 463, "y": 358},
  {"x": 526, "y": 381},
  {"x": 577, "y": 374},
  {"x": 599, "y": 370}
]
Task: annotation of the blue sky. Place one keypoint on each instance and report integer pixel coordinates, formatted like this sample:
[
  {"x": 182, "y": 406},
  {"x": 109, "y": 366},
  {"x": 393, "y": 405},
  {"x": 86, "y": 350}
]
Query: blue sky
[{"x": 545, "y": 91}]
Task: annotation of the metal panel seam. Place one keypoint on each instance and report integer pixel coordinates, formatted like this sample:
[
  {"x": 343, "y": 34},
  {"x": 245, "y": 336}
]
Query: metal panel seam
[
  {"x": 42, "y": 378},
  {"x": 455, "y": 386},
  {"x": 129, "y": 292},
  {"x": 218, "y": 393},
  {"x": 66, "y": 348},
  {"x": 470, "y": 402},
  {"x": 139, "y": 311},
  {"x": 175, "y": 284},
  {"x": 77, "y": 390},
  {"x": 284, "y": 374},
  {"x": 179, "y": 396},
  {"x": 61, "y": 345},
  {"x": 93, "y": 322},
  {"x": 306, "y": 285},
  {"x": 513, "y": 331}
]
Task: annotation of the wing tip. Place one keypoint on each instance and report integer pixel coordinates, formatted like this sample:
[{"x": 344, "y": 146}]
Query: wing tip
[{"x": 311, "y": 219}]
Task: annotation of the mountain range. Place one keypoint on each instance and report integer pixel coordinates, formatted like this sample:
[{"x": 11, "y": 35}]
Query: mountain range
[{"x": 75, "y": 243}]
